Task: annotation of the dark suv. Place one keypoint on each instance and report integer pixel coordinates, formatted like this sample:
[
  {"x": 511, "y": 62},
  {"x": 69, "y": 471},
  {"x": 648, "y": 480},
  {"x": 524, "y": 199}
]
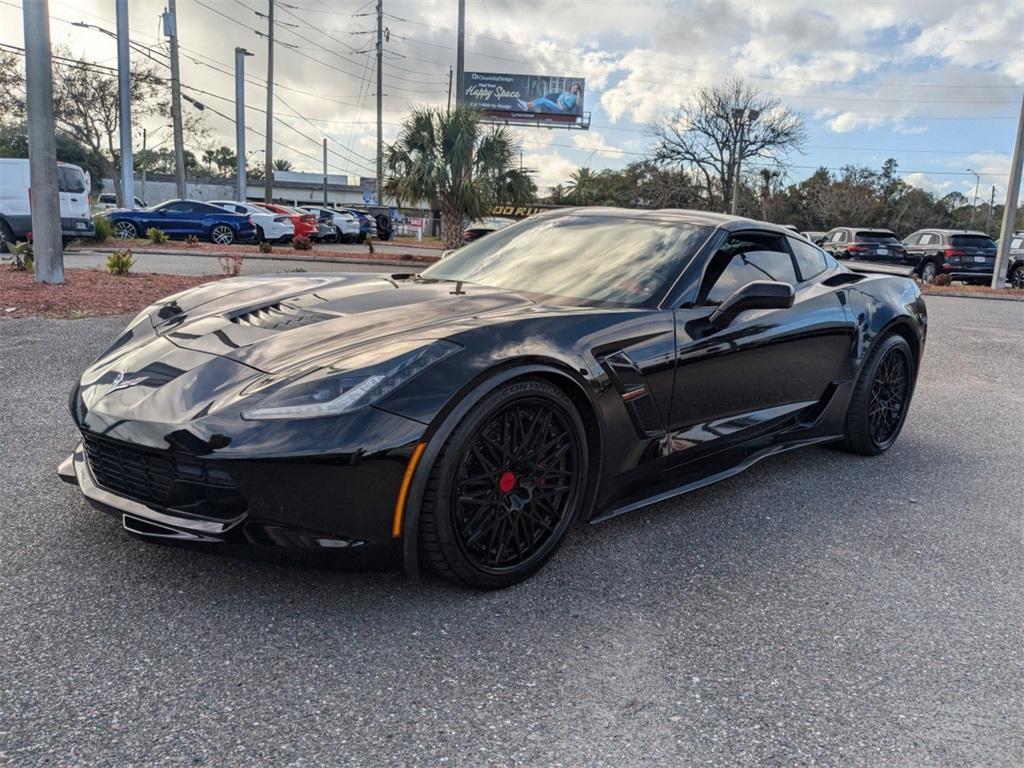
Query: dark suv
[
  {"x": 960, "y": 253},
  {"x": 863, "y": 244},
  {"x": 1015, "y": 266}
]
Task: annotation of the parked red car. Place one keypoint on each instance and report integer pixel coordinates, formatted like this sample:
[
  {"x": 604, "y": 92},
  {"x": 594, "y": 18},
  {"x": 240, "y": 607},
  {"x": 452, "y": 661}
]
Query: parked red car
[{"x": 305, "y": 223}]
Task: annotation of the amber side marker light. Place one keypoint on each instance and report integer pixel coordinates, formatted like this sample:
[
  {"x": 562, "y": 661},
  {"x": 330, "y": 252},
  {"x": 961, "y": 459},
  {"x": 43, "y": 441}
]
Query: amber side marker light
[{"x": 403, "y": 492}]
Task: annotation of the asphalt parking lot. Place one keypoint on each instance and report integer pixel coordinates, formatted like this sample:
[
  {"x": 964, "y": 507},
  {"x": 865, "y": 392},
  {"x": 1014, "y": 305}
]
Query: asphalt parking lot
[{"x": 820, "y": 609}]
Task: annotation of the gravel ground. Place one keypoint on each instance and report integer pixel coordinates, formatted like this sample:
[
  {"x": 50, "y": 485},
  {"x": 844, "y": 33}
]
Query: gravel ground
[{"x": 820, "y": 609}]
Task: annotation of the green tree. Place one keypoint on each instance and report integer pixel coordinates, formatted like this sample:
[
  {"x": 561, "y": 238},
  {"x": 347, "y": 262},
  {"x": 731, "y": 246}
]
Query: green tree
[
  {"x": 583, "y": 187},
  {"x": 448, "y": 159}
]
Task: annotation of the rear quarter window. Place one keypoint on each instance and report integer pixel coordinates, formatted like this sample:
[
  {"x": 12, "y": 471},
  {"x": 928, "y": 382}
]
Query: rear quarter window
[{"x": 810, "y": 260}]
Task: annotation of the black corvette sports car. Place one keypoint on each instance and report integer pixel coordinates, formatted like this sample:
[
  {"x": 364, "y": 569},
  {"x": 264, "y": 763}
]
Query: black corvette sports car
[{"x": 572, "y": 367}]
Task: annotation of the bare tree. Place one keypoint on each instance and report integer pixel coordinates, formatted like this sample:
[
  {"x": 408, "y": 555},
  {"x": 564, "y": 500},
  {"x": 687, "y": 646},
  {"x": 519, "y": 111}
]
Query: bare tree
[{"x": 721, "y": 128}]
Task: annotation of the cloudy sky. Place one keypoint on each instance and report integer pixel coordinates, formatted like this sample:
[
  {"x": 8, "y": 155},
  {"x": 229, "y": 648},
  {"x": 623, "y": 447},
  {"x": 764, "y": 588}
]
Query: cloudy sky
[{"x": 935, "y": 84}]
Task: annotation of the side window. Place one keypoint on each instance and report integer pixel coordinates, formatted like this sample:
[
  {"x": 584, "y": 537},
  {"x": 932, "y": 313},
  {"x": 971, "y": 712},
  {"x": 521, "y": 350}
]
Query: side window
[
  {"x": 928, "y": 239},
  {"x": 810, "y": 260},
  {"x": 838, "y": 237},
  {"x": 177, "y": 208},
  {"x": 744, "y": 258},
  {"x": 913, "y": 239}
]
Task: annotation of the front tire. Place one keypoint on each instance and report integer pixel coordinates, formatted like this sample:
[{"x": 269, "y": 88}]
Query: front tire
[
  {"x": 928, "y": 272},
  {"x": 125, "y": 230},
  {"x": 881, "y": 398},
  {"x": 506, "y": 487}
]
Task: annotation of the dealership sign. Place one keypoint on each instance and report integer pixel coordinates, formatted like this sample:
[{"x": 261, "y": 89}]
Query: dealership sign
[{"x": 525, "y": 98}]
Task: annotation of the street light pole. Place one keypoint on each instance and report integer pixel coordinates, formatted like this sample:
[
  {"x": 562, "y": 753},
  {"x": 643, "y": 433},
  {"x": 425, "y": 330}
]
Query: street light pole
[
  {"x": 460, "y": 56},
  {"x": 380, "y": 101},
  {"x": 47, "y": 247},
  {"x": 268, "y": 156},
  {"x": 991, "y": 205},
  {"x": 974, "y": 203},
  {"x": 240, "y": 54},
  {"x": 124, "y": 64},
  {"x": 745, "y": 117},
  {"x": 1010, "y": 210},
  {"x": 171, "y": 31}
]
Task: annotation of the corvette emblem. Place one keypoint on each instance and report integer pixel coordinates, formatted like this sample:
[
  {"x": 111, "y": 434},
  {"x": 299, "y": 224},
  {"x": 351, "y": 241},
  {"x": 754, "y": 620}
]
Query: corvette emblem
[{"x": 122, "y": 383}]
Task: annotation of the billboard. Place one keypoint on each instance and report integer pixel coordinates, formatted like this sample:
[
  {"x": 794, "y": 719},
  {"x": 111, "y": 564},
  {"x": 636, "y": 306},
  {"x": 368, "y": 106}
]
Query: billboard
[{"x": 525, "y": 98}]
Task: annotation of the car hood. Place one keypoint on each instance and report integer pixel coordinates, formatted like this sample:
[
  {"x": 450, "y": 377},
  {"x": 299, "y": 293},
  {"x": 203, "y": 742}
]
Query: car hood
[{"x": 275, "y": 324}]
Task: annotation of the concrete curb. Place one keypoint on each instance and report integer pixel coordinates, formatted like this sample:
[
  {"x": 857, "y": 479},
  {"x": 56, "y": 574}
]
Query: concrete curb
[{"x": 396, "y": 262}]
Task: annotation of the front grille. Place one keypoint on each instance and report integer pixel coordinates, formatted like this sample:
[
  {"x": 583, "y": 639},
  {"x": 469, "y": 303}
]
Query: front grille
[{"x": 162, "y": 479}]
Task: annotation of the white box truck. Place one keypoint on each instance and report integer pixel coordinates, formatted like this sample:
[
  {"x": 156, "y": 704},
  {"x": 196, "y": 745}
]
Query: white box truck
[{"x": 16, "y": 201}]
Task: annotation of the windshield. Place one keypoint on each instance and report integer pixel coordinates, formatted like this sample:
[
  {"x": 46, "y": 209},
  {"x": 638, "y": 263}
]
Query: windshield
[
  {"x": 876, "y": 237},
  {"x": 972, "y": 241},
  {"x": 609, "y": 259}
]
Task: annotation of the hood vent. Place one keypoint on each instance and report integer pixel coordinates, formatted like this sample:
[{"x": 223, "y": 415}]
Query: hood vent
[{"x": 280, "y": 316}]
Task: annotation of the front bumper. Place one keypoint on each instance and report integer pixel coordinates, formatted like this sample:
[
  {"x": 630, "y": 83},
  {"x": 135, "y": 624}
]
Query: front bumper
[{"x": 297, "y": 509}]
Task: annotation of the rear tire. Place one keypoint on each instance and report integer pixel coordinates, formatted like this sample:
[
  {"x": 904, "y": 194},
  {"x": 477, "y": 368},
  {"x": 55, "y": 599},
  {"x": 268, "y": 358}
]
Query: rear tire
[
  {"x": 6, "y": 236},
  {"x": 222, "y": 234},
  {"x": 1017, "y": 277},
  {"x": 512, "y": 476},
  {"x": 881, "y": 398}
]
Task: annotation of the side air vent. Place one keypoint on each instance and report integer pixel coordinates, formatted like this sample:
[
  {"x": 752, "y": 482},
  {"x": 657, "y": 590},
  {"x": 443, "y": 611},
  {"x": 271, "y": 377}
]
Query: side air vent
[{"x": 281, "y": 316}]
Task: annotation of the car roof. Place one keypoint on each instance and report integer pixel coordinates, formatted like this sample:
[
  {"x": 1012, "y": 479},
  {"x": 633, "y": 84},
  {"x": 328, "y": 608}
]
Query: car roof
[
  {"x": 675, "y": 215},
  {"x": 954, "y": 231}
]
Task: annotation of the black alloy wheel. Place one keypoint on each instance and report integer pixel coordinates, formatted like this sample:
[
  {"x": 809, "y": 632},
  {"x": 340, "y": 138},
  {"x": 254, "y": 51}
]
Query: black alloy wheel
[
  {"x": 1017, "y": 277},
  {"x": 881, "y": 398},
  {"x": 506, "y": 488}
]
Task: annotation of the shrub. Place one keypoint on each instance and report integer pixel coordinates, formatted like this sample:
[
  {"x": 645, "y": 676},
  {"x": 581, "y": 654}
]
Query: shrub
[
  {"x": 156, "y": 236},
  {"x": 302, "y": 243},
  {"x": 120, "y": 262},
  {"x": 104, "y": 229},
  {"x": 21, "y": 258},
  {"x": 942, "y": 280},
  {"x": 192, "y": 241},
  {"x": 265, "y": 246},
  {"x": 231, "y": 265}
]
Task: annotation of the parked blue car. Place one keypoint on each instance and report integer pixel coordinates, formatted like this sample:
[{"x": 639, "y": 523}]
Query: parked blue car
[{"x": 181, "y": 218}]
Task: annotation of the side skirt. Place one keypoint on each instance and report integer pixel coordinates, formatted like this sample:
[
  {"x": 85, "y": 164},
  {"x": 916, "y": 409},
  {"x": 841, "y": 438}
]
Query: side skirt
[{"x": 725, "y": 474}]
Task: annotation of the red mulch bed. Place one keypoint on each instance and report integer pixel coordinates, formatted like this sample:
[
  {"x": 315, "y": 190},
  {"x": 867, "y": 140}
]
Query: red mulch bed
[
  {"x": 87, "y": 293},
  {"x": 427, "y": 254},
  {"x": 973, "y": 290}
]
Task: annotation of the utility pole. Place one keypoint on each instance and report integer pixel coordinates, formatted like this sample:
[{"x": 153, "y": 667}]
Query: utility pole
[
  {"x": 974, "y": 203},
  {"x": 142, "y": 191},
  {"x": 1010, "y": 211},
  {"x": 240, "y": 54},
  {"x": 991, "y": 205},
  {"x": 47, "y": 246},
  {"x": 380, "y": 99},
  {"x": 268, "y": 171},
  {"x": 171, "y": 31},
  {"x": 124, "y": 104},
  {"x": 325, "y": 171},
  {"x": 449, "y": 88},
  {"x": 460, "y": 56}
]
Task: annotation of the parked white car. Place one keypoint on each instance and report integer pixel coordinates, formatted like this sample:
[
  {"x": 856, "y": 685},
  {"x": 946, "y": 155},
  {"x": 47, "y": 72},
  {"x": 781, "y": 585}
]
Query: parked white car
[
  {"x": 348, "y": 225},
  {"x": 107, "y": 201},
  {"x": 274, "y": 227},
  {"x": 15, "y": 207}
]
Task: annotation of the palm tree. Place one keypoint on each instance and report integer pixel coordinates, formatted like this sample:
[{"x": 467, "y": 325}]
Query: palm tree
[
  {"x": 208, "y": 157},
  {"x": 448, "y": 159},
  {"x": 280, "y": 164},
  {"x": 581, "y": 186}
]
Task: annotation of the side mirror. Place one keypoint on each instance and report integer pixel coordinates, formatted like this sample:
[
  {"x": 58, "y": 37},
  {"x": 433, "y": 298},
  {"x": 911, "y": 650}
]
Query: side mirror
[
  {"x": 760, "y": 294},
  {"x": 820, "y": 241}
]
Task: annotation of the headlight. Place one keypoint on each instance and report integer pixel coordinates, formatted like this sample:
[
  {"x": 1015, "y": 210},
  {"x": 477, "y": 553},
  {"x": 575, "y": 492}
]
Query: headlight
[{"x": 328, "y": 392}]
